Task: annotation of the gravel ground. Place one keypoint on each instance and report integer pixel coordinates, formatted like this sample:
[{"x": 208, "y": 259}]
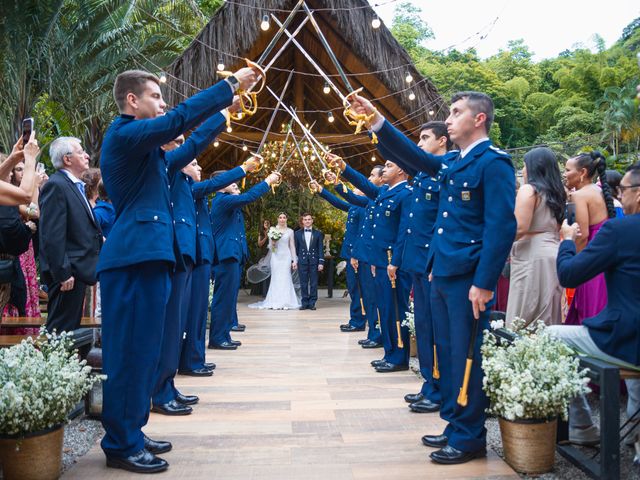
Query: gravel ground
[
  {"x": 80, "y": 435},
  {"x": 562, "y": 468}
]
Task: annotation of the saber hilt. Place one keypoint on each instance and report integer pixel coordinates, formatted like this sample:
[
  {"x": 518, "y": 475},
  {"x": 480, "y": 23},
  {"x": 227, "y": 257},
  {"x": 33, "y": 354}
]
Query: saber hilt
[
  {"x": 394, "y": 292},
  {"x": 463, "y": 397},
  {"x": 436, "y": 370}
]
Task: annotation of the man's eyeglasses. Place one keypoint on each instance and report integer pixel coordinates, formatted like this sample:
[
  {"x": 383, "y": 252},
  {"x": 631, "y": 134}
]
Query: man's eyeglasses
[{"x": 626, "y": 187}]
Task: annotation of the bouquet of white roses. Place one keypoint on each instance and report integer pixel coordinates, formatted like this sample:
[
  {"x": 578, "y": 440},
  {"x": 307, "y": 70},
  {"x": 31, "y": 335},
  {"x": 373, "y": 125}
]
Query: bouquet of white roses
[
  {"x": 42, "y": 380},
  {"x": 274, "y": 234},
  {"x": 535, "y": 377}
]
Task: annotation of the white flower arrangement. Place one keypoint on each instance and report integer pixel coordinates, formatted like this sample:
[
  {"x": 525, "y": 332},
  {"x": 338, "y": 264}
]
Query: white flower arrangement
[
  {"x": 409, "y": 320},
  {"x": 42, "y": 380},
  {"x": 535, "y": 377},
  {"x": 274, "y": 234}
]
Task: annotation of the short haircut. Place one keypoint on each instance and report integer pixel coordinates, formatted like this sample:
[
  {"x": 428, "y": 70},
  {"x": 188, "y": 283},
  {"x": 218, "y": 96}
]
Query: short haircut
[
  {"x": 479, "y": 103},
  {"x": 306, "y": 214},
  {"x": 634, "y": 173},
  {"x": 131, "y": 81},
  {"x": 60, "y": 147},
  {"x": 378, "y": 168},
  {"x": 439, "y": 129}
]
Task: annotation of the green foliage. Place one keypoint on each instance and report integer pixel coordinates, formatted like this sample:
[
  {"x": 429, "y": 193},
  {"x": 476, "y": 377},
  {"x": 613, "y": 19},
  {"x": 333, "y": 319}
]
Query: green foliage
[{"x": 408, "y": 28}]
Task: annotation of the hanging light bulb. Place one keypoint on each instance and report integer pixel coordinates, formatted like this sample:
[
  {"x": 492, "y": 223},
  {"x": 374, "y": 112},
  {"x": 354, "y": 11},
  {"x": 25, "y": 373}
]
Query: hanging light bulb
[
  {"x": 220, "y": 66},
  {"x": 375, "y": 23},
  {"x": 244, "y": 148},
  {"x": 412, "y": 96},
  {"x": 216, "y": 144},
  {"x": 431, "y": 112},
  {"x": 373, "y": 158},
  {"x": 273, "y": 155},
  {"x": 163, "y": 78},
  {"x": 264, "y": 25},
  {"x": 408, "y": 78},
  {"x": 229, "y": 129},
  {"x": 331, "y": 117},
  {"x": 305, "y": 149},
  {"x": 326, "y": 89}
]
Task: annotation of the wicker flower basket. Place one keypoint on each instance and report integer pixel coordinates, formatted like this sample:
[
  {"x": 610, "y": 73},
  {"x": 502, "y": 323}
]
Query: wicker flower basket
[
  {"x": 36, "y": 456},
  {"x": 413, "y": 346},
  {"x": 529, "y": 445}
]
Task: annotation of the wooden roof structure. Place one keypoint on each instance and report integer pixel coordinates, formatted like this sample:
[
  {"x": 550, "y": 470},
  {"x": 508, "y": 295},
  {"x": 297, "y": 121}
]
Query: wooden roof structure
[{"x": 371, "y": 58}]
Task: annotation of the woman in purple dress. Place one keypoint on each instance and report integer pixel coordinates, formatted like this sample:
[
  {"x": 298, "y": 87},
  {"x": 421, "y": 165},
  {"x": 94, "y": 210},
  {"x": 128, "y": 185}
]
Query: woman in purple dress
[{"x": 593, "y": 206}]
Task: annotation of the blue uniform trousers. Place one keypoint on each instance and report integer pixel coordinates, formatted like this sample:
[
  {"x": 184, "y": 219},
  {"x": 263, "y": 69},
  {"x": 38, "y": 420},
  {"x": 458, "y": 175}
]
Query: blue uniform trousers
[
  {"x": 308, "y": 284},
  {"x": 357, "y": 320},
  {"x": 452, "y": 321},
  {"x": 225, "y": 297},
  {"x": 389, "y": 330},
  {"x": 134, "y": 301},
  {"x": 192, "y": 356},
  {"x": 174, "y": 327},
  {"x": 370, "y": 305},
  {"x": 424, "y": 335}
]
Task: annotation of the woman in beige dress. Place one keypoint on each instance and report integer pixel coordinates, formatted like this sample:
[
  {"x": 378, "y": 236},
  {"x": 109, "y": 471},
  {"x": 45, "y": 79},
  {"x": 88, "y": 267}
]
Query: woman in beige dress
[{"x": 534, "y": 292}]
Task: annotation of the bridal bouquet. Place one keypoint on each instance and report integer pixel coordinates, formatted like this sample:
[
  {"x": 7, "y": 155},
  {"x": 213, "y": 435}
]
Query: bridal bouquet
[{"x": 274, "y": 234}]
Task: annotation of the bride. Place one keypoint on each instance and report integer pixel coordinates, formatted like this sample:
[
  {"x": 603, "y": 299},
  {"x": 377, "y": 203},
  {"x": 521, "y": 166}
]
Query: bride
[{"x": 282, "y": 253}]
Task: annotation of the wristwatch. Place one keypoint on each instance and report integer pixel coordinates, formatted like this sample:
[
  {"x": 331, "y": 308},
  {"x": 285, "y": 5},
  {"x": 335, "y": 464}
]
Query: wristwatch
[{"x": 233, "y": 82}]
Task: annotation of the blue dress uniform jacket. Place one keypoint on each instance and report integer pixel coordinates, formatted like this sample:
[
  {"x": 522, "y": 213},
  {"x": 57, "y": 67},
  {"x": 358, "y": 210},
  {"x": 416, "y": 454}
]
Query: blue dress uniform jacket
[
  {"x": 135, "y": 262},
  {"x": 614, "y": 251},
  {"x": 355, "y": 216}
]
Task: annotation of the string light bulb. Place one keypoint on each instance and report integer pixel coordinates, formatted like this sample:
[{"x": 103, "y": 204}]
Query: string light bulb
[
  {"x": 244, "y": 148},
  {"x": 216, "y": 144},
  {"x": 264, "y": 25},
  {"x": 373, "y": 158},
  {"x": 331, "y": 117},
  {"x": 163, "y": 78},
  {"x": 408, "y": 78},
  {"x": 326, "y": 89},
  {"x": 431, "y": 112},
  {"x": 375, "y": 23},
  {"x": 229, "y": 129},
  {"x": 220, "y": 66},
  {"x": 305, "y": 149},
  {"x": 412, "y": 96}
]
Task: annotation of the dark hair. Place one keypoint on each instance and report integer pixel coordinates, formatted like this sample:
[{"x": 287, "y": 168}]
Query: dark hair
[
  {"x": 634, "y": 170},
  {"x": 283, "y": 213},
  {"x": 91, "y": 178},
  {"x": 102, "y": 192},
  {"x": 613, "y": 179},
  {"x": 439, "y": 129},
  {"x": 379, "y": 168},
  {"x": 479, "y": 103},
  {"x": 131, "y": 81},
  {"x": 594, "y": 162},
  {"x": 306, "y": 214},
  {"x": 543, "y": 174}
]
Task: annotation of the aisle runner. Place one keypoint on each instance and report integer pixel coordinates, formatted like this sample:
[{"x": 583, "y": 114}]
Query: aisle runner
[{"x": 298, "y": 400}]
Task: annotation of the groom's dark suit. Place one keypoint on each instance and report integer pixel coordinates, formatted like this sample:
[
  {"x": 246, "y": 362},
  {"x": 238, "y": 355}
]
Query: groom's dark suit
[{"x": 309, "y": 257}]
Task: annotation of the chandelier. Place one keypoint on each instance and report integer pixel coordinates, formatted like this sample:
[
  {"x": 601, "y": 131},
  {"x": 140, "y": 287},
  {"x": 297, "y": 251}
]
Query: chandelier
[{"x": 296, "y": 164}]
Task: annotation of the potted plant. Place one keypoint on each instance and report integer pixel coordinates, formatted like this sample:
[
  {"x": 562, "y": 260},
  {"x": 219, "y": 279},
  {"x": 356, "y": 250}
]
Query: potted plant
[
  {"x": 410, "y": 322},
  {"x": 530, "y": 382},
  {"x": 42, "y": 380}
]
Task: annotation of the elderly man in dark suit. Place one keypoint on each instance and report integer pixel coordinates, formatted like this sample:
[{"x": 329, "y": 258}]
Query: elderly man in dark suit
[
  {"x": 310, "y": 261},
  {"x": 70, "y": 238},
  {"x": 614, "y": 334}
]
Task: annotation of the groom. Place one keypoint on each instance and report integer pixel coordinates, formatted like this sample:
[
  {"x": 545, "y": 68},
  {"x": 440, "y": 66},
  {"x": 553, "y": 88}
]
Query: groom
[{"x": 310, "y": 261}]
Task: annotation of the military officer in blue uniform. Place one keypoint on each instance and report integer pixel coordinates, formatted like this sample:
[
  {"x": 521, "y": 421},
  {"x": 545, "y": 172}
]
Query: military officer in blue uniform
[
  {"x": 359, "y": 258},
  {"x": 418, "y": 226},
  {"x": 392, "y": 201},
  {"x": 473, "y": 234},
  {"x": 231, "y": 251},
  {"x": 355, "y": 217},
  {"x": 136, "y": 261},
  {"x": 166, "y": 399}
]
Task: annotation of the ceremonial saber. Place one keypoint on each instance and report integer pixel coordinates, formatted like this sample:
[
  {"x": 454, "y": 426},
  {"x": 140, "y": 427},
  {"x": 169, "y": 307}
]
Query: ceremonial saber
[
  {"x": 355, "y": 269},
  {"x": 395, "y": 304},
  {"x": 463, "y": 397},
  {"x": 279, "y": 33},
  {"x": 306, "y": 167}
]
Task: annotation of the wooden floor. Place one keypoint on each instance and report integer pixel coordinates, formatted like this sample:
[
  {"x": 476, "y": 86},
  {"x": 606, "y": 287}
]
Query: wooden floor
[{"x": 298, "y": 400}]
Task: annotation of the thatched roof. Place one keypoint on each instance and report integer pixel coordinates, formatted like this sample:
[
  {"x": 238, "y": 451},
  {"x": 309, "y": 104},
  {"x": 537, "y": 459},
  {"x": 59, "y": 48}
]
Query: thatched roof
[{"x": 372, "y": 59}]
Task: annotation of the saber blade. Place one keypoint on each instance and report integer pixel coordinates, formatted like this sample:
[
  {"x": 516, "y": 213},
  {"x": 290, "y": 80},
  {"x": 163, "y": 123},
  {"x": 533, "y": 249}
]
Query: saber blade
[
  {"x": 273, "y": 115},
  {"x": 278, "y": 34}
]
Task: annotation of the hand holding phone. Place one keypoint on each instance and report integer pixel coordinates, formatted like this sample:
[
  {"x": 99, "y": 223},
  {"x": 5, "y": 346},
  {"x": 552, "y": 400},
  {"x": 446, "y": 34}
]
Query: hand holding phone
[
  {"x": 27, "y": 128},
  {"x": 40, "y": 168},
  {"x": 570, "y": 213}
]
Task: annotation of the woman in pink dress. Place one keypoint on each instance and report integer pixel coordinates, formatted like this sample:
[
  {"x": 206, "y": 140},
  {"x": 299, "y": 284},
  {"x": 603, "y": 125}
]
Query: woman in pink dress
[{"x": 593, "y": 206}]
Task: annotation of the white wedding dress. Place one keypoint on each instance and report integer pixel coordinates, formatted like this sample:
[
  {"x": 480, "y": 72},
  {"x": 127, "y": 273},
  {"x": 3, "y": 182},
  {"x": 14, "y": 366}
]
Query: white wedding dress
[{"x": 282, "y": 293}]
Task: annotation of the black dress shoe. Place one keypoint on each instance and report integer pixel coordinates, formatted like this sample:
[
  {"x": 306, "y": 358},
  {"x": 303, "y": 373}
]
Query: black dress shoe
[
  {"x": 312, "y": 307},
  {"x": 413, "y": 397},
  {"x": 156, "y": 446},
  {"x": 452, "y": 456},
  {"x": 187, "y": 399},
  {"x": 371, "y": 344},
  {"x": 239, "y": 328},
  {"x": 304, "y": 307},
  {"x": 351, "y": 328},
  {"x": 142, "y": 462},
  {"x": 172, "y": 408},
  {"x": 223, "y": 346},
  {"x": 424, "y": 406},
  {"x": 435, "y": 441},
  {"x": 387, "y": 367},
  {"x": 375, "y": 363},
  {"x": 363, "y": 341},
  {"x": 210, "y": 365},
  {"x": 198, "y": 372},
  {"x": 237, "y": 343}
]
